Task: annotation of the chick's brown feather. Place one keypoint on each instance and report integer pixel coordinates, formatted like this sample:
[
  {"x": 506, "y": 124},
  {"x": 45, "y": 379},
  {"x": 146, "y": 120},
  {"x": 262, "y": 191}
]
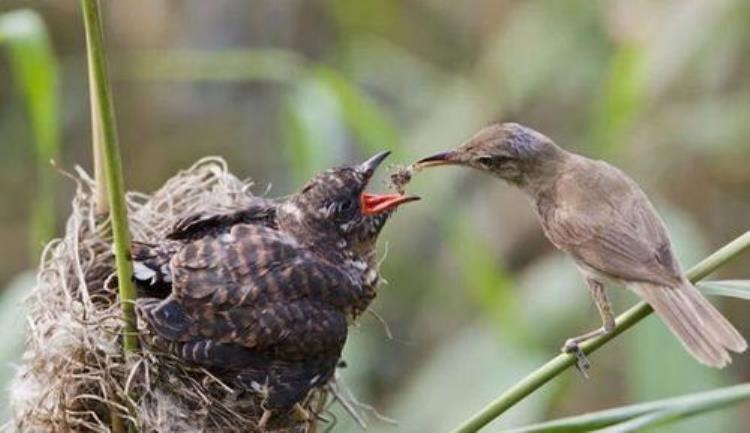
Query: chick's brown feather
[
  {"x": 195, "y": 226},
  {"x": 291, "y": 331},
  {"x": 263, "y": 295},
  {"x": 253, "y": 266},
  {"x": 255, "y": 304},
  {"x": 256, "y": 287},
  {"x": 607, "y": 223}
]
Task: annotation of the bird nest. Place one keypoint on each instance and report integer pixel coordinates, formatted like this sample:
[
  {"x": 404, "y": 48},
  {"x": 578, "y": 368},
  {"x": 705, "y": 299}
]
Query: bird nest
[{"x": 74, "y": 376}]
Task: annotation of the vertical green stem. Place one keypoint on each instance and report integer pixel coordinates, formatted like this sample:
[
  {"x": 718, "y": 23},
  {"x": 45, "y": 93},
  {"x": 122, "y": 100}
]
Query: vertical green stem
[
  {"x": 107, "y": 153},
  {"x": 561, "y": 362},
  {"x": 110, "y": 154}
]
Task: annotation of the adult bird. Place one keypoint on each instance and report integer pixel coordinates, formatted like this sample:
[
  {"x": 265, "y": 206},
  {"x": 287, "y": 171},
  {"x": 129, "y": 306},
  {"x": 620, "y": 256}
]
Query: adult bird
[
  {"x": 601, "y": 217},
  {"x": 263, "y": 296}
]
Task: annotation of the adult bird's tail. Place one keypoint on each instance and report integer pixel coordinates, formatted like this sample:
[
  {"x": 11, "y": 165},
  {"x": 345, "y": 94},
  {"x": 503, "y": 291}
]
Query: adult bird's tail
[{"x": 702, "y": 330}]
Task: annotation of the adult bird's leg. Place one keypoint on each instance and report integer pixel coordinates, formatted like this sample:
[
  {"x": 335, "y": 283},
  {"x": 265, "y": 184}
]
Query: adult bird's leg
[{"x": 572, "y": 345}]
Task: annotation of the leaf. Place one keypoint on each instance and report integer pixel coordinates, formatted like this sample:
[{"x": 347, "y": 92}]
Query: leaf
[
  {"x": 731, "y": 288},
  {"x": 636, "y": 424},
  {"x": 35, "y": 73},
  {"x": 622, "y": 97},
  {"x": 679, "y": 412},
  {"x": 485, "y": 278},
  {"x": 317, "y": 116},
  {"x": 677, "y": 407},
  {"x": 369, "y": 123},
  {"x": 312, "y": 129},
  {"x": 257, "y": 64}
]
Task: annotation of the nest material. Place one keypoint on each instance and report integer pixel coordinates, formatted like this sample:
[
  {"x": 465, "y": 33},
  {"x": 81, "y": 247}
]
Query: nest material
[
  {"x": 74, "y": 375},
  {"x": 401, "y": 175}
]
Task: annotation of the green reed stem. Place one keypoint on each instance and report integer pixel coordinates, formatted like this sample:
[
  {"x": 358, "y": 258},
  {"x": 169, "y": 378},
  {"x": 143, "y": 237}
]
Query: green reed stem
[
  {"x": 106, "y": 147},
  {"x": 561, "y": 362}
]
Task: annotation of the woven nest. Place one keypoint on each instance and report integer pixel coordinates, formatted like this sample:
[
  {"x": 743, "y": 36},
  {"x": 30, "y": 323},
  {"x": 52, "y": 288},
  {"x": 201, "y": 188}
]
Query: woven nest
[{"x": 74, "y": 376}]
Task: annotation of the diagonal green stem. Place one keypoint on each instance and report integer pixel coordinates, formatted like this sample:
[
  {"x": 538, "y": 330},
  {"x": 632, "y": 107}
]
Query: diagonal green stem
[
  {"x": 561, "y": 362},
  {"x": 685, "y": 405}
]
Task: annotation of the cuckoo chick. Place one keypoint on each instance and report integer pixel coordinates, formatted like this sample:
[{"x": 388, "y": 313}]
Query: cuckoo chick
[{"x": 263, "y": 296}]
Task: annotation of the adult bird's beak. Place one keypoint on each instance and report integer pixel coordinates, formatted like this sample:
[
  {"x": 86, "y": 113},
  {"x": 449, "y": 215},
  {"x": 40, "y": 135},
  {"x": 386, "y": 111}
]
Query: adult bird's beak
[
  {"x": 373, "y": 204},
  {"x": 368, "y": 167},
  {"x": 442, "y": 158}
]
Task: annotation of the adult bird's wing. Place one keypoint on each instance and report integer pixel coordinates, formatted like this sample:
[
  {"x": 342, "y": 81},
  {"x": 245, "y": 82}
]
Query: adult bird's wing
[
  {"x": 256, "y": 287},
  {"x": 605, "y": 221}
]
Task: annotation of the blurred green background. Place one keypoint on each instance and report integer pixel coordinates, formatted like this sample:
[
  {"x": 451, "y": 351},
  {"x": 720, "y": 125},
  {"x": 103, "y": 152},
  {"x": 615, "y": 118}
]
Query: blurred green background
[{"x": 476, "y": 296}]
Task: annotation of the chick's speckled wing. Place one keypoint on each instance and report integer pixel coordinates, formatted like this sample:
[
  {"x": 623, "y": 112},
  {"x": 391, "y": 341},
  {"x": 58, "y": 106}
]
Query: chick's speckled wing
[
  {"x": 257, "y": 287},
  {"x": 605, "y": 221},
  {"x": 260, "y": 211}
]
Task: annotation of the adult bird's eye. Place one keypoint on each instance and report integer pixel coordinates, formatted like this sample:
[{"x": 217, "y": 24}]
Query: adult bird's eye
[
  {"x": 493, "y": 161},
  {"x": 485, "y": 160}
]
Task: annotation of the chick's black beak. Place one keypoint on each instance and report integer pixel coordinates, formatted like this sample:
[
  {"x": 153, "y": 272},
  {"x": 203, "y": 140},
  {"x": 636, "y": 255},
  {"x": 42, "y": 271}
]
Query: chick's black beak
[
  {"x": 442, "y": 158},
  {"x": 368, "y": 167}
]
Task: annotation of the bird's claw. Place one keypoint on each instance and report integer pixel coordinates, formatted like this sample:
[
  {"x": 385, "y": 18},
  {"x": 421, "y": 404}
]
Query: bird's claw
[{"x": 582, "y": 363}]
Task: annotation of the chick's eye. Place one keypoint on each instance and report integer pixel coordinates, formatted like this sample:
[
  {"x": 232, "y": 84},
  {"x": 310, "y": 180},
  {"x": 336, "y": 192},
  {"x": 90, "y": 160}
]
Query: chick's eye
[
  {"x": 345, "y": 209},
  {"x": 346, "y": 206}
]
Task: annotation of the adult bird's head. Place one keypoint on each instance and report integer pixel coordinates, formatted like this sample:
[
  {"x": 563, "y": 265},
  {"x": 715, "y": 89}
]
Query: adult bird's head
[
  {"x": 512, "y": 152},
  {"x": 334, "y": 206}
]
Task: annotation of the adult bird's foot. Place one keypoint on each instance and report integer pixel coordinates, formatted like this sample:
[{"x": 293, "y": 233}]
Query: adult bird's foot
[{"x": 582, "y": 363}]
